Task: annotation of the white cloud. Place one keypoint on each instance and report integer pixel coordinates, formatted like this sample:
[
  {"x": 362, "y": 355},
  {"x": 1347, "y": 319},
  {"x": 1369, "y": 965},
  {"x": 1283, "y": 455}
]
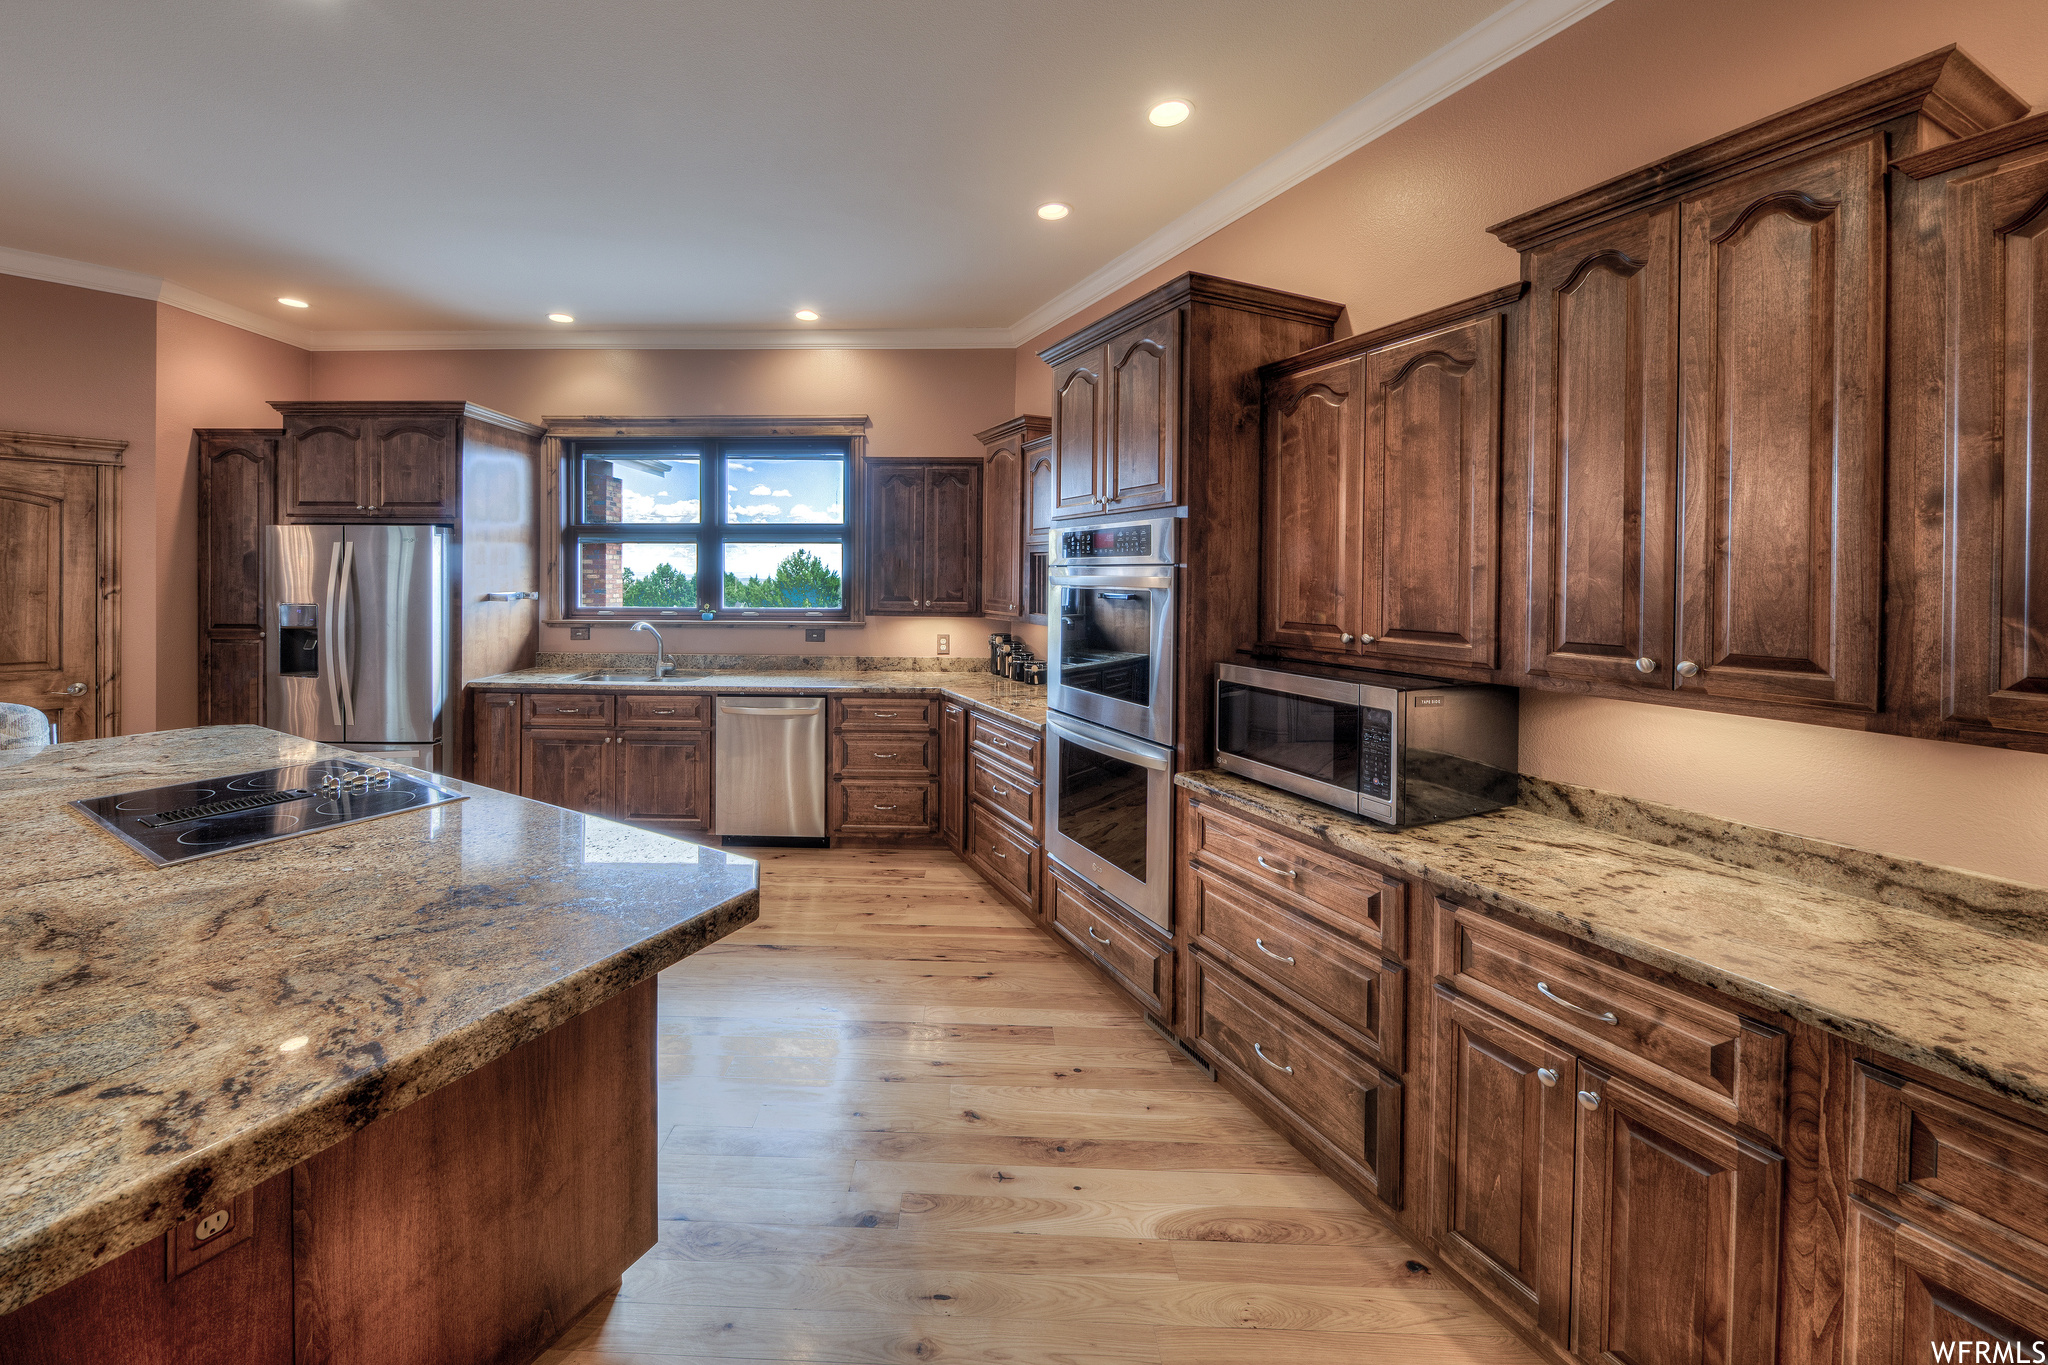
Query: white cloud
[
  {"x": 778, "y": 493},
  {"x": 761, "y": 491},
  {"x": 761, "y": 509}
]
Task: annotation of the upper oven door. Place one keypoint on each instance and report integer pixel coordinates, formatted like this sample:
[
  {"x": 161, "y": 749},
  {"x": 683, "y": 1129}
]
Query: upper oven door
[{"x": 1110, "y": 636}]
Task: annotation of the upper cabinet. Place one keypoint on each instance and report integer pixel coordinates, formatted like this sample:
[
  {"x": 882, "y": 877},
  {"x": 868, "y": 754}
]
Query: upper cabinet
[
  {"x": 1116, "y": 420},
  {"x": 370, "y": 462},
  {"x": 1381, "y": 477},
  {"x": 924, "y": 537},
  {"x": 1004, "y": 533}
]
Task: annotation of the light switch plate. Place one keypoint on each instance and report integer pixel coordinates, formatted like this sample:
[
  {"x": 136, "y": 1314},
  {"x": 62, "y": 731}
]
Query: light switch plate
[
  {"x": 814, "y": 635},
  {"x": 579, "y": 632},
  {"x": 945, "y": 644}
]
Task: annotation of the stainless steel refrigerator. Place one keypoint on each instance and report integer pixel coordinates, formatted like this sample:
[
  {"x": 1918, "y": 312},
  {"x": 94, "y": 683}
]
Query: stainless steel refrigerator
[{"x": 356, "y": 638}]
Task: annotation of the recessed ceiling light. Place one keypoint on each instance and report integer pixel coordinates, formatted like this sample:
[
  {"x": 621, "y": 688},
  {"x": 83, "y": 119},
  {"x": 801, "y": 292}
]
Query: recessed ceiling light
[
  {"x": 806, "y": 315},
  {"x": 1053, "y": 212},
  {"x": 560, "y": 317},
  {"x": 294, "y": 303},
  {"x": 1171, "y": 112}
]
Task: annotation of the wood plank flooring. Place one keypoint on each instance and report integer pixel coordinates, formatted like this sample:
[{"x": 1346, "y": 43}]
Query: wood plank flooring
[{"x": 900, "y": 1125}]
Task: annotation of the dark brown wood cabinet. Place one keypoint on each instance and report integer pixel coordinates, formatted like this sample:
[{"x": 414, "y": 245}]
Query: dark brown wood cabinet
[
  {"x": 1313, "y": 563},
  {"x": 237, "y": 508},
  {"x": 398, "y": 462},
  {"x": 1004, "y": 516},
  {"x": 1909, "y": 1290},
  {"x": 953, "y": 774},
  {"x": 885, "y": 781},
  {"x": 646, "y": 760},
  {"x": 1004, "y": 807},
  {"x": 1116, "y": 418},
  {"x": 924, "y": 538}
]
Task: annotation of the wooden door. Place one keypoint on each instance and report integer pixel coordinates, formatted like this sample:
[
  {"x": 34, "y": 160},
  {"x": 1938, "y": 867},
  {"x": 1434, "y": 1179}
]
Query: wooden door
[
  {"x": 1995, "y": 229},
  {"x": 1432, "y": 475},
  {"x": 1313, "y": 473},
  {"x": 953, "y": 774},
  {"x": 1002, "y": 532},
  {"x": 567, "y": 768},
  {"x": 322, "y": 469},
  {"x": 1503, "y": 1143},
  {"x": 1781, "y": 455},
  {"x": 57, "y": 584},
  {"x": 237, "y": 507},
  {"x": 896, "y": 531},
  {"x": 1038, "y": 500},
  {"x": 414, "y": 465},
  {"x": 1911, "y": 1294},
  {"x": 1603, "y": 346},
  {"x": 1678, "y": 1223},
  {"x": 662, "y": 778},
  {"x": 951, "y": 542},
  {"x": 1143, "y": 425},
  {"x": 1079, "y": 481}
]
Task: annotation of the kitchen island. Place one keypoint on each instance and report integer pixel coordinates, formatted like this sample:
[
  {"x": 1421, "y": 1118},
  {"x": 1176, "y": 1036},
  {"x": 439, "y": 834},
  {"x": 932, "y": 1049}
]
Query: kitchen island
[{"x": 411, "y": 1060}]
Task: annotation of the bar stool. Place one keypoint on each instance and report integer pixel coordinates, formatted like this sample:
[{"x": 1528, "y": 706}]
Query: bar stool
[{"x": 24, "y": 727}]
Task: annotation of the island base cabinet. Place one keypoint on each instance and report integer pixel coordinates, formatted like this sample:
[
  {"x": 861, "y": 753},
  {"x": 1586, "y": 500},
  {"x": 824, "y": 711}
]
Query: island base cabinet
[{"x": 1914, "y": 1299}]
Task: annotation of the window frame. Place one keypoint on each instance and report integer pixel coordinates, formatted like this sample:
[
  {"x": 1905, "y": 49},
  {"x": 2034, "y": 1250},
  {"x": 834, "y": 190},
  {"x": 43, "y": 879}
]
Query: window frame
[{"x": 570, "y": 440}]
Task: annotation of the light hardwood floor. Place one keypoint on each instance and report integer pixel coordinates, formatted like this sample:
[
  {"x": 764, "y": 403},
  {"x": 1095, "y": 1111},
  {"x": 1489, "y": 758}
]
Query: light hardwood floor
[{"x": 900, "y": 1125}]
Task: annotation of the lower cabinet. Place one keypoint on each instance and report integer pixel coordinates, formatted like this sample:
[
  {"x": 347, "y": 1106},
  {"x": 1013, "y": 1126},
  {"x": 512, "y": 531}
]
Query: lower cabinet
[
  {"x": 1136, "y": 956},
  {"x": 659, "y": 778},
  {"x": 953, "y": 775},
  {"x": 1009, "y": 859},
  {"x": 1913, "y": 1297},
  {"x": 885, "y": 753}
]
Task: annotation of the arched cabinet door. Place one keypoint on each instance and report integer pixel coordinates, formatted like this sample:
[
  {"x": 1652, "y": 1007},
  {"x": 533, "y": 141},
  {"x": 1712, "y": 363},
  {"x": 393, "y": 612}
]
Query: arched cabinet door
[
  {"x": 1002, "y": 531},
  {"x": 322, "y": 468},
  {"x": 1079, "y": 481},
  {"x": 412, "y": 463},
  {"x": 1314, "y": 444},
  {"x": 1144, "y": 415},
  {"x": 1781, "y": 432}
]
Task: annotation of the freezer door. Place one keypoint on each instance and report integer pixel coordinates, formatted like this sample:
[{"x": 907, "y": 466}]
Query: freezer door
[
  {"x": 394, "y": 614},
  {"x": 301, "y": 684}
]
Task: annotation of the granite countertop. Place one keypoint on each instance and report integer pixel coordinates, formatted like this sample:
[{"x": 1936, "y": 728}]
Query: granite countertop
[
  {"x": 1020, "y": 701},
  {"x": 142, "y": 1009},
  {"x": 1961, "y": 995}
]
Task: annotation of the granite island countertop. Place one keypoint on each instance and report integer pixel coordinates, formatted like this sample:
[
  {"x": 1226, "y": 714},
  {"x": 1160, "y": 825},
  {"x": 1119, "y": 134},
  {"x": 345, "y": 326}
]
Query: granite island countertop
[
  {"x": 1019, "y": 701},
  {"x": 142, "y": 1008},
  {"x": 1964, "y": 996}
]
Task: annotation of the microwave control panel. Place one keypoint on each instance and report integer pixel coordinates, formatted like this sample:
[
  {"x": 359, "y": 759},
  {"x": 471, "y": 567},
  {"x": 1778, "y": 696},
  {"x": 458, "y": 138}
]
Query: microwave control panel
[
  {"x": 1375, "y": 753},
  {"x": 1120, "y": 541}
]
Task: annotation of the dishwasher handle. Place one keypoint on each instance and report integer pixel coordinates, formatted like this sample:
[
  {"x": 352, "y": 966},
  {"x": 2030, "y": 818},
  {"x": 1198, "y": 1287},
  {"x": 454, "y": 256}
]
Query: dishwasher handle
[{"x": 787, "y": 712}]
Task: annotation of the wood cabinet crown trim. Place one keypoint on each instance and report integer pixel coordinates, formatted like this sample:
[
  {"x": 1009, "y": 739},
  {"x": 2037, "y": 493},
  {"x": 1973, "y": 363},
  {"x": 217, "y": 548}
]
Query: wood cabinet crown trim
[
  {"x": 1030, "y": 426},
  {"x": 1946, "y": 86},
  {"x": 1407, "y": 329},
  {"x": 1194, "y": 288},
  {"x": 436, "y": 408},
  {"x": 664, "y": 428},
  {"x": 2017, "y": 136}
]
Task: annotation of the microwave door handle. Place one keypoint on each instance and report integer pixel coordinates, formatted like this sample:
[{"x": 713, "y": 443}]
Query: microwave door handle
[
  {"x": 330, "y": 638},
  {"x": 1121, "y": 596}
]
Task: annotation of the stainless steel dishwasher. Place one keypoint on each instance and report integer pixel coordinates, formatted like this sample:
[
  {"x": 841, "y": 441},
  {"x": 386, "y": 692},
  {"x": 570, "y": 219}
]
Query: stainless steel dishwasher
[{"x": 770, "y": 763}]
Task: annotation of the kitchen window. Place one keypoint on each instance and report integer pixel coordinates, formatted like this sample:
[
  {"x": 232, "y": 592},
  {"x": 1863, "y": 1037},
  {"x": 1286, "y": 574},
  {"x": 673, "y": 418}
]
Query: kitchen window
[{"x": 708, "y": 529}]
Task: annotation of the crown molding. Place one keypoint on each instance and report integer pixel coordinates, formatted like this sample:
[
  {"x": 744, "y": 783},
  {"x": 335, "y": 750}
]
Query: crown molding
[
  {"x": 1487, "y": 45},
  {"x": 671, "y": 339},
  {"x": 108, "y": 279}
]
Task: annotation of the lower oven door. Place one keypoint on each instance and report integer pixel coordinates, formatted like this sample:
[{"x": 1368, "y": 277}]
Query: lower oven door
[{"x": 1109, "y": 813}]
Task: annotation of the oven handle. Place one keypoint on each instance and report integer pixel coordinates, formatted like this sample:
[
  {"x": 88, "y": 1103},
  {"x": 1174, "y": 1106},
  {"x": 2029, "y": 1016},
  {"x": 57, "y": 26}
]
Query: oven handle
[
  {"x": 1109, "y": 746},
  {"x": 1155, "y": 582}
]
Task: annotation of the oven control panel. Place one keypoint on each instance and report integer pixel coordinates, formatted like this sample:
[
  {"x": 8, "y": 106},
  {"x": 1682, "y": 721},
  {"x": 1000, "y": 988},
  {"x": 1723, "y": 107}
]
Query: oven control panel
[{"x": 1119, "y": 541}]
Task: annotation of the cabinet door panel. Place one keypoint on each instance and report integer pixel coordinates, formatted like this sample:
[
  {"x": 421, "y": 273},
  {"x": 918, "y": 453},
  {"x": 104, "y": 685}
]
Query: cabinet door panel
[
  {"x": 663, "y": 779},
  {"x": 1039, "y": 497},
  {"x": 412, "y": 461},
  {"x": 321, "y": 469},
  {"x": 1077, "y": 436},
  {"x": 1678, "y": 1225},
  {"x": 1314, "y": 467},
  {"x": 1002, "y": 533},
  {"x": 1782, "y": 457},
  {"x": 1909, "y": 1291},
  {"x": 237, "y": 504},
  {"x": 1144, "y": 416},
  {"x": 1504, "y": 1141},
  {"x": 896, "y": 522},
  {"x": 1432, "y": 470},
  {"x": 494, "y": 754},
  {"x": 953, "y": 774},
  {"x": 950, "y": 541},
  {"x": 1995, "y": 227},
  {"x": 231, "y": 678},
  {"x": 1603, "y": 308},
  {"x": 567, "y": 768}
]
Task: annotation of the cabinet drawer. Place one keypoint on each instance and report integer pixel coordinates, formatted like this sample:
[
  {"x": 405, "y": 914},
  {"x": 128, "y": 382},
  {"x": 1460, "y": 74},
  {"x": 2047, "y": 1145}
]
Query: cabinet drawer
[
  {"x": 1727, "y": 1066},
  {"x": 1011, "y": 743},
  {"x": 1004, "y": 856},
  {"x": 885, "y": 713},
  {"x": 1957, "y": 1166},
  {"x": 1003, "y": 790},
  {"x": 567, "y": 708},
  {"x": 1328, "y": 1094},
  {"x": 1354, "y": 994},
  {"x": 664, "y": 710},
  {"x": 884, "y": 807},
  {"x": 886, "y": 753},
  {"x": 1351, "y": 899},
  {"x": 1138, "y": 959}
]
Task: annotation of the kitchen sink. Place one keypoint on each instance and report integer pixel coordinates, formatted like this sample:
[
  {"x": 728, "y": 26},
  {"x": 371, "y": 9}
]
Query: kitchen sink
[{"x": 639, "y": 677}]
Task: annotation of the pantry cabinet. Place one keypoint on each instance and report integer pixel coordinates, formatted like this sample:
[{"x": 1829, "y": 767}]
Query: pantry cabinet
[
  {"x": 1005, "y": 552},
  {"x": 924, "y": 537},
  {"x": 237, "y": 508}
]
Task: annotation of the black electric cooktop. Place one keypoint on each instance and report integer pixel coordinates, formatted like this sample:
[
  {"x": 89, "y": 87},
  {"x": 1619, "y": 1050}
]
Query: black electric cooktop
[{"x": 221, "y": 814}]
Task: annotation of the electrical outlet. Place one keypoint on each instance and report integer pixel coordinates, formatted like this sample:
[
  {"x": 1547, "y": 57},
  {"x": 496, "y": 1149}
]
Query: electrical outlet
[
  {"x": 814, "y": 635},
  {"x": 213, "y": 1224},
  {"x": 579, "y": 632},
  {"x": 945, "y": 644}
]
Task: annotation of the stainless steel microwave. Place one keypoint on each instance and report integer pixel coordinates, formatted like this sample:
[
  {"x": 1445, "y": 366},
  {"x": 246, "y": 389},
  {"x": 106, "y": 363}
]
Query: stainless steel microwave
[{"x": 1396, "y": 749}]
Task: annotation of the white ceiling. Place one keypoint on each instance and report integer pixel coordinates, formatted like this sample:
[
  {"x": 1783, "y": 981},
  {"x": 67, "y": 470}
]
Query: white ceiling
[{"x": 468, "y": 166}]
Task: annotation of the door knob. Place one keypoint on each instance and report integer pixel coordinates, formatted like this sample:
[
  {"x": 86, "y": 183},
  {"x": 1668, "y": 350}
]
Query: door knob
[
  {"x": 1646, "y": 665},
  {"x": 74, "y": 690},
  {"x": 1687, "y": 669}
]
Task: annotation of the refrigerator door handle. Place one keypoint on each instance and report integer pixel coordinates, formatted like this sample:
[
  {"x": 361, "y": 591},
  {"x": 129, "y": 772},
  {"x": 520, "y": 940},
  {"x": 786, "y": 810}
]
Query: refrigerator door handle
[
  {"x": 345, "y": 666},
  {"x": 330, "y": 638}
]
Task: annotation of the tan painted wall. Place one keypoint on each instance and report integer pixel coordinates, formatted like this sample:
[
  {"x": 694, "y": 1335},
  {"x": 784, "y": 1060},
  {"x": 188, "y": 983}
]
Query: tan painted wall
[
  {"x": 1399, "y": 227},
  {"x": 208, "y": 374},
  {"x": 74, "y": 362},
  {"x": 923, "y": 405}
]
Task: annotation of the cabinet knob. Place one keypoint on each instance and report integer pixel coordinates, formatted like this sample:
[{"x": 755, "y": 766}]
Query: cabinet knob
[
  {"x": 1646, "y": 665},
  {"x": 1346, "y": 638},
  {"x": 1687, "y": 669},
  {"x": 1588, "y": 1100},
  {"x": 1368, "y": 639},
  {"x": 1547, "y": 1075}
]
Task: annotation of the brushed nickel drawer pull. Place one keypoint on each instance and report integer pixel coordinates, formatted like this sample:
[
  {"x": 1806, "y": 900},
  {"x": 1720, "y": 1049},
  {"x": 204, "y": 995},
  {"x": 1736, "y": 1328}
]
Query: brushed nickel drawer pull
[
  {"x": 1269, "y": 1061},
  {"x": 1000, "y": 744},
  {"x": 569, "y": 710},
  {"x": 1270, "y": 953},
  {"x": 1092, "y": 934},
  {"x": 999, "y": 791},
  {"x": 664, "y": 710},
  {"x": 1276, "y": 871},
  {"x": 1588, "y": 1100},
  {"x": 1547, "y": 1075},
  {"x": 885, "y": 808},
  {"x": 885, "y": 715},
  {"x": 1000, "y": 854},
  {"x": 885, "y": 755},
  {"x": 1606, "y": 1017}
]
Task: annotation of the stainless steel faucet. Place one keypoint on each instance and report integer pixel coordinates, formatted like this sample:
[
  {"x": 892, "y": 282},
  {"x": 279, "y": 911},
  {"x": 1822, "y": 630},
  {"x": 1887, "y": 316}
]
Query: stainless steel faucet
[{"x": 660, "y": 667}]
